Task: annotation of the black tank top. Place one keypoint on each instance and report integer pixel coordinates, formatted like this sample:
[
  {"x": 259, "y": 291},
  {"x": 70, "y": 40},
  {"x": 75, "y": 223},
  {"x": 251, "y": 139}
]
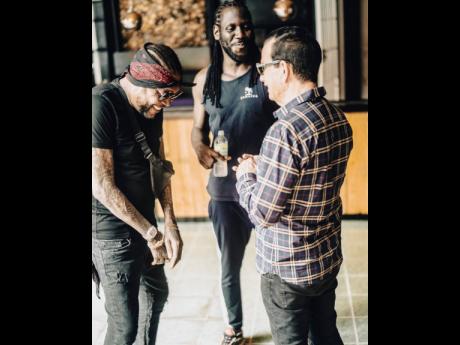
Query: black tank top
[{"x": 245, "y": 117}]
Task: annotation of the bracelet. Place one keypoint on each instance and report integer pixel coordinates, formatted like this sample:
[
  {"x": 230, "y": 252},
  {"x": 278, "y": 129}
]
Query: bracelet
[{"x": 173, "y": 226}]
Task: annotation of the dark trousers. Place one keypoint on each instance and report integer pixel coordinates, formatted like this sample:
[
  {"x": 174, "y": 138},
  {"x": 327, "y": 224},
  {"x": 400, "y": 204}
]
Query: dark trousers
[
  {"x": 292, "y": 309},
  {"x": 233, "y": 230},
  {"x": 135, "y": 291}
]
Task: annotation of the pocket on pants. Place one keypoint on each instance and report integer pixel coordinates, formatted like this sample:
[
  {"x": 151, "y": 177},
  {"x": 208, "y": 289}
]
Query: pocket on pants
[
  {"x": 287, "y": 297},
  {"x": 277, "y": 293},
  {"x": 121, "y": 252},
  {"x": 273, "y": 291},
  {"x": 114, "y": 245},
  {"x": 121, "y": 260}
]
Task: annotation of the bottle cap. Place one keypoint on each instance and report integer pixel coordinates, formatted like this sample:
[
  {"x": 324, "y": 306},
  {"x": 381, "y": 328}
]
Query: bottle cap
[{"x": 220, "y": 132}]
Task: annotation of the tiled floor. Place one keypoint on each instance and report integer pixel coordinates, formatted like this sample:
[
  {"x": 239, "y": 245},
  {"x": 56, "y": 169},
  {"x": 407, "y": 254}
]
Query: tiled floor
[{"x": 193, "y": 314}]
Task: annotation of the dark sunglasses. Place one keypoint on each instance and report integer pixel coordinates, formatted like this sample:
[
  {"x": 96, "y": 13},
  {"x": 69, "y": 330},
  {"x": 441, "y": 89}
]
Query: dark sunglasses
[
  {"x": 262, "y": 66},
  {"x": 169, "y": 95}
]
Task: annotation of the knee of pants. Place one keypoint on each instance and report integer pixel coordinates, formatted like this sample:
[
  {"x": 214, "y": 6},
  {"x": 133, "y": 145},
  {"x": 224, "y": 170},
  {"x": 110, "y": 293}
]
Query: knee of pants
[
  {"x": 230, "y": 278},
  {"x": 124, "y": 333},
  {"x": 131, "y": 334}
]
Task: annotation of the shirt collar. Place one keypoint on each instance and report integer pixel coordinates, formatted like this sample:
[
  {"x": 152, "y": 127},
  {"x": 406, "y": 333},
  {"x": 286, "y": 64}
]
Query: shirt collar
[{"x": 307, "y": 96}]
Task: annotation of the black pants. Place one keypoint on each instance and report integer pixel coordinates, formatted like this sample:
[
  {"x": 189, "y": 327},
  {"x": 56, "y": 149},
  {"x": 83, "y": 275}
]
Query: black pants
[
  {"x": 135, "y": 291},
  {"x": 292, "y": 309},
  {"x": 233, "y": 230}
]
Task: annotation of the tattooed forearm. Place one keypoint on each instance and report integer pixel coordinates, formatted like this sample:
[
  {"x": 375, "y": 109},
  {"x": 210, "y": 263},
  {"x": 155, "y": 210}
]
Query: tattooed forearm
[
  {"x": 166, "y": 196},
  {"x": 105, "y": 190},
  {"x": 167, "y": 204}
]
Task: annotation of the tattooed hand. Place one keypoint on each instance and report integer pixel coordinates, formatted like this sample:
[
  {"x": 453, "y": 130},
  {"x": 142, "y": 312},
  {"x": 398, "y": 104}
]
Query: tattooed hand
[
  {"x": 159, "y": 254},
  {"x": 173, "y": 243}
]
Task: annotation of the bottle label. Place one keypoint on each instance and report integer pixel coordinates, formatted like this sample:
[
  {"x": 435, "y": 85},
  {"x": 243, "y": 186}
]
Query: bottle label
[{"x": 222, "y": 148}]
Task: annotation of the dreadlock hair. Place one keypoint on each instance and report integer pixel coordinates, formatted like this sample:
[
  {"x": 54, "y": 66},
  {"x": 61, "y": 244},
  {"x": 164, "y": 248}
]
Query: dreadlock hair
[
  {"x": 212, "y": 86},
  {"x": 167, "y": 58}
]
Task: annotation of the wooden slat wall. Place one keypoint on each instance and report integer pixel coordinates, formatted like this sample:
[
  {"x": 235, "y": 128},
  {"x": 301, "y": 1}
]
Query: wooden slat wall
[
  {"x": 190, "y": 197},
  {"x": 354, "y": 190},
  {"x": 189, "y": 183}
]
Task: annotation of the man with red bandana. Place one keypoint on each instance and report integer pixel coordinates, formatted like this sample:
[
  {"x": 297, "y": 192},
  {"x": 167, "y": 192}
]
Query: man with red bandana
[{"x": 128, "y": 250}]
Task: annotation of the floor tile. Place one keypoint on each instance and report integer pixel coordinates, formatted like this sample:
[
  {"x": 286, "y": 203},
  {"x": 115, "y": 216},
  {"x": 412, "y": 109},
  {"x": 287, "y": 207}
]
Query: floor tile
[{"x": 193, "y": 314}]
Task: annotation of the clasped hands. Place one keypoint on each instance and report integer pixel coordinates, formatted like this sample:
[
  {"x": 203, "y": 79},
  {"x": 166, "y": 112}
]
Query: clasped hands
[
  {"x": 246, "y": 164},
  {"x": 167, "y": 247}
]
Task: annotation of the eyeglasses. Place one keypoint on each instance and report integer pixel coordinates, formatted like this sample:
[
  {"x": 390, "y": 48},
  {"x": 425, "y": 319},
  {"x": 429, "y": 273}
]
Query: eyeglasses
[
  {"x": 168, "y": 95},
  {"x": 261, "y": 66}
]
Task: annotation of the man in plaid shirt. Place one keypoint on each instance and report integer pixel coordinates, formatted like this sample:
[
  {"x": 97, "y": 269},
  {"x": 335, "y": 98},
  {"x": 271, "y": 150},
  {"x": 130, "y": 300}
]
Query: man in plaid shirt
[{"x": 291, "y": 192}]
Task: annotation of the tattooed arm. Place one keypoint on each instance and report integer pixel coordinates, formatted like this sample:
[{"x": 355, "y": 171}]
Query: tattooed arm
[
  {"x": 173, "y": 240},
  {"x": 105, "y": 190}
]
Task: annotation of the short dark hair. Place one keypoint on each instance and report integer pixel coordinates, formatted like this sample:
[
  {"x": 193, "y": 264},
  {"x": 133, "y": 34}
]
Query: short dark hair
[{"x": 299, "y": 47}]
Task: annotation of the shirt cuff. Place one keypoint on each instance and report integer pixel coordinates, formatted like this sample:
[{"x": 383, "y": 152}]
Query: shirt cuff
[
  {"x": 248, "y": 177},
  {"x": 245, "y": 181}
]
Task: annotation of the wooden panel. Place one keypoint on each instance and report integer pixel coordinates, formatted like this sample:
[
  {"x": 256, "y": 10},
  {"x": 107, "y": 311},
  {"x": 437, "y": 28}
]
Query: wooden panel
[
  {"x": 355, "y": 188},
  {"x": 189, "y": 183}
]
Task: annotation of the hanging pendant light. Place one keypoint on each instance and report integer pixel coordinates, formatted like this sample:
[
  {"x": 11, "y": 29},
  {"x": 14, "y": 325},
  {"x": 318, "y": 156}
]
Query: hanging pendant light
[
  {"x": 132, "y": 19},
  {"x": 284, "y": 9}
]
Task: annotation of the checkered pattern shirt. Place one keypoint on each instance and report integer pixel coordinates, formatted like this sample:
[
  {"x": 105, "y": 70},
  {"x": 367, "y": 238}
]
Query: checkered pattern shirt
[{"x": 294, "y": 200}]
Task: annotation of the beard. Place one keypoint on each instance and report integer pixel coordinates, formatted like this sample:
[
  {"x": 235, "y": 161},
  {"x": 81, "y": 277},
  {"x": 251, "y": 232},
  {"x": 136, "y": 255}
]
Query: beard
[
  {"x": 144, "y": 110},
  {"x": 239, "y": 58}
]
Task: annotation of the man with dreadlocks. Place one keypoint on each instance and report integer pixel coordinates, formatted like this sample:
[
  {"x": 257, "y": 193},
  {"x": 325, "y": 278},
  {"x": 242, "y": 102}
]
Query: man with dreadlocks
[
  {"x": 128, "y": 250},
  {"x": 229, "y": 96}
]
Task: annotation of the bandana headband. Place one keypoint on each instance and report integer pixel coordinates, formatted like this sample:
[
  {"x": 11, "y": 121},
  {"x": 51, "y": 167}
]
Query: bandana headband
[{"x": 145, "y": 71}]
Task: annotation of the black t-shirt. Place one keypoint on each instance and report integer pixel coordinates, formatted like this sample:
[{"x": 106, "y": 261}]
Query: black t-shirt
[{"x": 111, "y": 129}]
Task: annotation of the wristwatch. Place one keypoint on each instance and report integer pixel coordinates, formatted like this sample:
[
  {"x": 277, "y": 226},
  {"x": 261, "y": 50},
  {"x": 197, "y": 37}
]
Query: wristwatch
[{"x": 154, "y": 237}]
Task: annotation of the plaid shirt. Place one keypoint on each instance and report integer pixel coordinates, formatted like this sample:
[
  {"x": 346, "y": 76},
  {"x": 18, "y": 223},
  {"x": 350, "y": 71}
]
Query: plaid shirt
[{"x": 294, "y": 201}]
